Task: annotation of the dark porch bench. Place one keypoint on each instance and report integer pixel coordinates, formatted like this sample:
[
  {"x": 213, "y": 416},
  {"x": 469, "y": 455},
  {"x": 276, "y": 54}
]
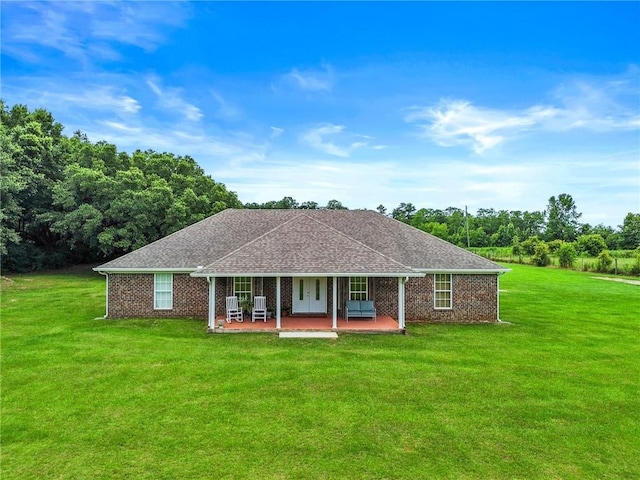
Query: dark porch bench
[{"x": 360, "y": 309}]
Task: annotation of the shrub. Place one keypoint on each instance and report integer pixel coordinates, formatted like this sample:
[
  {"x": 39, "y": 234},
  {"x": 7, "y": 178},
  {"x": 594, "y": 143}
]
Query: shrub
[
  {"x": 567, "y": 255},
  {"x": 592, "y": 245},
  {"x": 555, "y": 245},
  {"x": 541, "y": 255},
  {"x": 634, "y": 269},
  {"x": 517, "y": 249},
  {"x": 604, "y": 261},
  {"x": 528, "y": 247}
]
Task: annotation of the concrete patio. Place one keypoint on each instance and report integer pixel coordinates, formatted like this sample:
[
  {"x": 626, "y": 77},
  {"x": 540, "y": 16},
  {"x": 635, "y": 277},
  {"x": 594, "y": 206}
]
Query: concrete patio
[{"x": 383, "y": 324}]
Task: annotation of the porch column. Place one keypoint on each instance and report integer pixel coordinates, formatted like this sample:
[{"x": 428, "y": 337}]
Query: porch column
[
  {"x": 278, "y": 304},
  {"x": 212, "y": 302},
  {"x": 335, "y": 303},
  {"x": 401, "y": 281}
]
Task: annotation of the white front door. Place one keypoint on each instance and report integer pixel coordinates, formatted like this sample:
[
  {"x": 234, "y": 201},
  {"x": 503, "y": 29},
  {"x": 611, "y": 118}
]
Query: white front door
[{"x": 310, "y": 295}]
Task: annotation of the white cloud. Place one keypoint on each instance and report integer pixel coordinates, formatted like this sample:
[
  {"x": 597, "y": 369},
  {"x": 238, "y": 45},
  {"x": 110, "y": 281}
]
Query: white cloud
[
  {"x": 226, "y": 110},
  {"x": 134, "y": 24},
  {"x": 599, "y": 106},
  {"x": 85, "y": 31},
  {"x": 232, "y": 150},
  {"x": 316, "y": 138},
  {"x": 171, "y": 99},
  {"x": 458, "y": 122},
  {"x": 92, "y": 97},
  {"x": 120, "y": 126},
  {"x": 312, "y": 80},
  {"x": 276, "y": 132},
  {"x": 581, "y": 105}
]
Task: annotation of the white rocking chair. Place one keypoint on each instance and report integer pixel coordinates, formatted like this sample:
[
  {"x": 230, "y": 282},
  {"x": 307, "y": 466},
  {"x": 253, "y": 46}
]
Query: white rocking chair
[
  {"x": 259, "y": 309},
  {"x": 233, "y": 311}
]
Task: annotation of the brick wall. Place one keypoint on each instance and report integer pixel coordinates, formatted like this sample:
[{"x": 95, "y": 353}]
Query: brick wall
[
  {"x": 131, "y": 295},
  {"x": 474, "y": 297}
]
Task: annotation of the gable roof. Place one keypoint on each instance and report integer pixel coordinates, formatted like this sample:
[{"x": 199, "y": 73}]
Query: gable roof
[
  {"x": 304, "y": 245},
  {"x": 295, "y": 242}
]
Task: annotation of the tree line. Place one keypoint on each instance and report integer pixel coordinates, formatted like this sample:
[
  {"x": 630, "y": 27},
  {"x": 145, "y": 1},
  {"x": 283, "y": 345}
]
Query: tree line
[
  {"x": 66, "y": 200},
  {"x": 498, "y": 228}
]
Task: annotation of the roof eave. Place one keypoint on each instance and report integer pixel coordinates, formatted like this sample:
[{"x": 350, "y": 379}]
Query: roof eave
[
  {"x": 143, "y": 270},
  {"x": 308, "y": 274},
  {"x": 465, "y": 271}
]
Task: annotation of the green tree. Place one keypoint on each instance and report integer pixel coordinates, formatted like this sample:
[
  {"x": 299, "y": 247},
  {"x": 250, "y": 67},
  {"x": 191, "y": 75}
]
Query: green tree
[
  {"x": 630, "y": 231},
  {"x": 491, "y": 220},
  {"x": 404, "y": 212},
  {"x": 309, "y": 205},
  {"x": 439, "y": 230},
  {"x": 32, "y": 158},
  {"x": 562, "y": 218},
  {"x": 335, "y": 205},
  {"x": 504, "y": 236},
  {"x": 69, "y": 200},
  {"x": 591, "y": 245},
  {"x": 527, "y": 224},
  {"x": 478, "y": 237}
]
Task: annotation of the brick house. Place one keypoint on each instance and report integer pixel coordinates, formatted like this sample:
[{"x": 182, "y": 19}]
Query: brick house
[{"x": 306, "y": 262}]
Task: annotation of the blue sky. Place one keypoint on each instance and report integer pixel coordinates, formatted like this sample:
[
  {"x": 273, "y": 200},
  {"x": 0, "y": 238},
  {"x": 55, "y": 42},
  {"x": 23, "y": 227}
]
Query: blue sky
[{"x": 490, "y": 105}]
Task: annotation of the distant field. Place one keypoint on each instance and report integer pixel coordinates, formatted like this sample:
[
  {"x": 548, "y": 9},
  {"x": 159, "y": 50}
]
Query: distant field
[
  {"x": 623, "y": 259},
  {"x": 552, "y": 394}
]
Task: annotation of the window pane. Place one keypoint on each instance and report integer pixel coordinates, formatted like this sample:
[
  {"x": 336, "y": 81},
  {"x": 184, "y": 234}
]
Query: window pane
[
  {"x": 242, "y": 288},
  {"x": 163, "y": 300},
  {"x": 301, "y": 290},
  {"x": 163, "y": 291},
  {"x": 442, "y": 290},
  {"x": 317, "y": 289},
  {"x": 358, "y": 288},
  {"x": 443, "y": 300}
]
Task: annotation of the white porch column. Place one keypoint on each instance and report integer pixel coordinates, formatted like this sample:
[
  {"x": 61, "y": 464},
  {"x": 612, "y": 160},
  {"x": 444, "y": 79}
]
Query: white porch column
[
  {"x": 212, "y": 302},
  {"x": 401, "y": 281},
  {"x": 278, "y": 304},
  {"x": 498, "y": 297},
  {"x": 335, "y": 303}
]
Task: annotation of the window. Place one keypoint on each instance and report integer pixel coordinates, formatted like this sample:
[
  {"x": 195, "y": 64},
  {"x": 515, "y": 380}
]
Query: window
[
  {"x": 442, "y": 291},
  {"x": 357, "y": 288},
  {"x": 242, "y": 288},
  {"x": 163, "y": 291}
]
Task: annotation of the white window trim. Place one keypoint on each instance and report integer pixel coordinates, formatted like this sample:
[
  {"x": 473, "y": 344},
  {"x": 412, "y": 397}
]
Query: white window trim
[
  {"x": 436, "y": 291},
  {"x": 156, "y": 291},
  {"x": 235, "y": 293},
  {"x": 366, "y": 287}
]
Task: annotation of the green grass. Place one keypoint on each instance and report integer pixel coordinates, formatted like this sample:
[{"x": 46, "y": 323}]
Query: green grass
[{"x": 555, "y": 394}]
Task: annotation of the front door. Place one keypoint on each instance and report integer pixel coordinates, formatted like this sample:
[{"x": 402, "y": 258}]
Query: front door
[{"x": 310, "y": 295}]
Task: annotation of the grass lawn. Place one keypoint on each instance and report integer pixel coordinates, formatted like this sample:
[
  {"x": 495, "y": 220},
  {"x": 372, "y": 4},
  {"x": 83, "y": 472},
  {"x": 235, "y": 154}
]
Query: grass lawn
[{"x": 555, "y": 394}]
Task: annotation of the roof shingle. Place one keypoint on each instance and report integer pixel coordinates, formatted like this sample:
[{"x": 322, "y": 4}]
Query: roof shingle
[{"x": 269, "y": 242}]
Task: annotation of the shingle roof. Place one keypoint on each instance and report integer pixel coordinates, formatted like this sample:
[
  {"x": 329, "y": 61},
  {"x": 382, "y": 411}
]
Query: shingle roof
[{"x": 269, "y": 242}]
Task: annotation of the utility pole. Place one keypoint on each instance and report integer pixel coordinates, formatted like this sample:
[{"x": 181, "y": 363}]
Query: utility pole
[{"x": 466, "y": 218}]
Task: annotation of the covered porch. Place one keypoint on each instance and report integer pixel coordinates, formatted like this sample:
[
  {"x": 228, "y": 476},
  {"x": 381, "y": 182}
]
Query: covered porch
[
  {"x": 383, "y": 324},
  {"x": 308, "y": 272},
  {"x": 318, "y": 304}
]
